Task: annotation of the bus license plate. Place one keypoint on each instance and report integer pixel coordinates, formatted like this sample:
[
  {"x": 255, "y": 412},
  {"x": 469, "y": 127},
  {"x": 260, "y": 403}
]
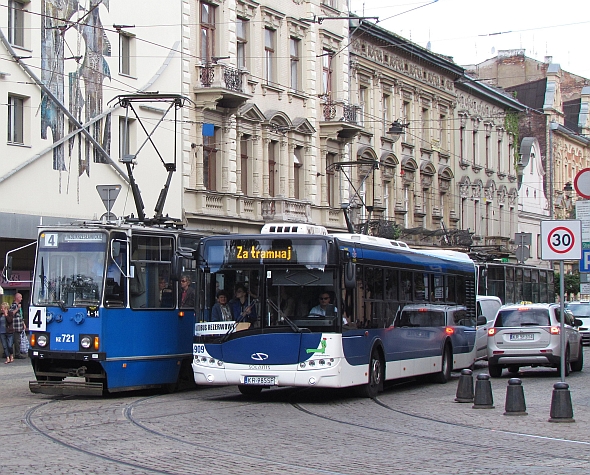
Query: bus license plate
[
  {"x": 521, "y": 336},
  {"x": 260, "y": 380}
]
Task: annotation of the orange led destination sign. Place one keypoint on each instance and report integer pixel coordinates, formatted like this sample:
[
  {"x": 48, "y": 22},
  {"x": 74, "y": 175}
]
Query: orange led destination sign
[{"x": 248, "y": 253}]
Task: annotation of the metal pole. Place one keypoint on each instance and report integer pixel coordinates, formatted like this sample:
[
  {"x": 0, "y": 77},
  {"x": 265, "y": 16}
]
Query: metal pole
[
  {"x": 550, "y": 172},
  {"x": 561, "y": 329}
]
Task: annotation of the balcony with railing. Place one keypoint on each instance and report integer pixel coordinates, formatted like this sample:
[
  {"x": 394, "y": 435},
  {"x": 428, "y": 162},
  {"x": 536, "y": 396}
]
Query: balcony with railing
[
  {"x": 220, "y": 84},
  {"x": 340, "y": 120}
]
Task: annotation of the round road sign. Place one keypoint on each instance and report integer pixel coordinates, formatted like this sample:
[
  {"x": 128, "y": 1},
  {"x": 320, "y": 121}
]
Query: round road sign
[
  {"x": 582, "y": 183},
  {"x": 561, "y": 240}
]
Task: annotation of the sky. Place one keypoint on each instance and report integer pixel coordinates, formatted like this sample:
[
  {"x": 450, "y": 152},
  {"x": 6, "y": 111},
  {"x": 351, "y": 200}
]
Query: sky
[{"x": 472, "y": 31}]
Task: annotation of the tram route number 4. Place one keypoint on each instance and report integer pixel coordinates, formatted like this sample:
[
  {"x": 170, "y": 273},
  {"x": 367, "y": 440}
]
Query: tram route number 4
[
  {"x": 38, "y": 319},
  {"x": 561, "y": 240}
]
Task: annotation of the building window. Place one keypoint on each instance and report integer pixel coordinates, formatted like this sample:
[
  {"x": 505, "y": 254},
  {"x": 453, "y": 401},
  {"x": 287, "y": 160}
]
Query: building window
[
  {"x": 16, "y": 127},
  {"x": 386, "y": 118},
  {"x": 297, "y": 170},
  {"x": 242, "y": 41},
  {"x": 363, "y": 103},
  {"x": 244, "y": 165},
  {"x": 294, "y": 45},
  {"x": 462, "y": 144},
  {"x": 126, "y": 54},
  {"x": 210, "y": 162},
  {"x": 331, "y": 180},
  {"x": 488, "y": 164},
  {"x": 272, "y": 166},
  {"x": 327, "y": 73},
  {"x": 126, "y": 136},
  {"x": 500, "y": 167},
  {"x": 207, "y": 32},
  {"x": 407, "y": 115},
  {"x": 269, "y": 55},
  {"x": 16, "y": 23},
  {"x": 443, "y": 132},
  {"x": 426, "y": 128},
  {"x": 474, "y": 147}
]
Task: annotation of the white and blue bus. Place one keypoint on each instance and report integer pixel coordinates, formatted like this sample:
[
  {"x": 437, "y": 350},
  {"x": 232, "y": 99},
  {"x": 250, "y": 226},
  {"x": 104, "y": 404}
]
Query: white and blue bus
[{"x": 330, "y": 311}]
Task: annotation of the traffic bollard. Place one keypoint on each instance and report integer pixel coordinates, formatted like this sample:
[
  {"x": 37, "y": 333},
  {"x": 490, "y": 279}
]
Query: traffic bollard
[
  {"x": 483, "y": 398},
  {"x": 465, "y": 387},
  {"x": 515, "y": 405},
  {"x": 561, "y": 404}
]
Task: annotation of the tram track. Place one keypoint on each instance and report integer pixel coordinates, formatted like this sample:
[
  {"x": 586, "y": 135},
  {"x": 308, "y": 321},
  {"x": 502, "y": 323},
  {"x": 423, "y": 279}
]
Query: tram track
[
  {"x": 461, "y": 441},
  {"x": 188, "y": 459}
]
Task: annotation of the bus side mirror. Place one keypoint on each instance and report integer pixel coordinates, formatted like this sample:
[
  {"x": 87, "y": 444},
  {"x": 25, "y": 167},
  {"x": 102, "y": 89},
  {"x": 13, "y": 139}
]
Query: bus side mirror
[
  {"x": 8, "y": 268},
  {"x": 350, "y": 275}
]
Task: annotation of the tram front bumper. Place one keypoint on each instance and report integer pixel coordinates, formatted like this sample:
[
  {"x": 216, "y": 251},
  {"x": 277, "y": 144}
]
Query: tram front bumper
[
  {"x": 66, "y": 388},
  {"x": 286, "y": 376}
]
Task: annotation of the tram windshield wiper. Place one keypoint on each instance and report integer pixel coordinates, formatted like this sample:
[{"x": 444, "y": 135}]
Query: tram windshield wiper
[{"x": 282, "y": 315}]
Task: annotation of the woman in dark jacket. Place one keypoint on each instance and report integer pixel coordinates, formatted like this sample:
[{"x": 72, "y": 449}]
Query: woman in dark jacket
[{"x": 7, "y": 332}]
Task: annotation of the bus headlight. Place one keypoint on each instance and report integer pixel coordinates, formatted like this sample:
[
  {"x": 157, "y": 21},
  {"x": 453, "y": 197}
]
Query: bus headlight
[
  {"x": 42, "y": 341},
  {"x": 85, "y": 342}
]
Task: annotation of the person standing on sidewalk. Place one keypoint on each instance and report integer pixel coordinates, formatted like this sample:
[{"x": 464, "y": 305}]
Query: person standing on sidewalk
[
  {"x": 6, "y": 332},
  {"x": 18, "y": 324}
]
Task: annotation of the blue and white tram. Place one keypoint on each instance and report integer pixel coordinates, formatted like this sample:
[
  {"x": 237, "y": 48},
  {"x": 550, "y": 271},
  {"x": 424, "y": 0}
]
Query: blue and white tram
[
  {"x": 394, "y": 312},
  {"x": 106, "y": 314}
]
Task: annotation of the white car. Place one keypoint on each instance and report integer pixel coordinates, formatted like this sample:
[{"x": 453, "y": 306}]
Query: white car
[
  {"x": 581, "y": 310},
  {"x": 486, "y": 306},
  {"x": 529, "y": 335}
]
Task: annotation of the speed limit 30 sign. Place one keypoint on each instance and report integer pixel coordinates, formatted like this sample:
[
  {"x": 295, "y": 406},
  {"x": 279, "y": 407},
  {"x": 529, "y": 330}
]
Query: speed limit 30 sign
[{"x": 561, "y": 240}]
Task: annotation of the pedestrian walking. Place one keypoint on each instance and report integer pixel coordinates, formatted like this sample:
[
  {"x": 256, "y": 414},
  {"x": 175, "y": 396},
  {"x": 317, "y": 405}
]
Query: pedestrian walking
[
  {"x": 18, "y": 324},
  {"x": 6, "y": 332}
]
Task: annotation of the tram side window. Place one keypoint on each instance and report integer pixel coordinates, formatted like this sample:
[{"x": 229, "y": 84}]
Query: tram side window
[
  {"x": 406, "y": 281},
  {"x": 451, "y": 289},
  {"x": 421, "y": 292},
  {"x": 438, "y": 287},
  {"x": 461, "y": 296},
  {"x": 150, "y": 284},
  {"x": 391, "y": 284}
]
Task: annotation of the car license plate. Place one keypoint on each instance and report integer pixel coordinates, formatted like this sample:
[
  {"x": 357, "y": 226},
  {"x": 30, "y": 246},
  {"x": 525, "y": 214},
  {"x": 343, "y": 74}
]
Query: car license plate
[
  {"x": 521, "y": 336},
  {"x": 260, "y": 380}
]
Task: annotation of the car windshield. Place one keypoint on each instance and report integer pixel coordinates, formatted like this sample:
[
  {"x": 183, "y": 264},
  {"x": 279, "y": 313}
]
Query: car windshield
[
  {"x": 421, "y": 318},
  {"x": 579, "y": 309},
  {"x": 523, "y": 317}
]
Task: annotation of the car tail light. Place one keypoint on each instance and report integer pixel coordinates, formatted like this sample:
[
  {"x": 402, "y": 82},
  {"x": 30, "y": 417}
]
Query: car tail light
[
  {"x": 491, "y": 331},
  {"x": 554, "y": 330},
  {"x": 449, "y": 330}
]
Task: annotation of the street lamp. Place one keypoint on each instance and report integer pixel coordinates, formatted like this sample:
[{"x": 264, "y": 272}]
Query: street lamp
[{"x": 396, "y": 130}]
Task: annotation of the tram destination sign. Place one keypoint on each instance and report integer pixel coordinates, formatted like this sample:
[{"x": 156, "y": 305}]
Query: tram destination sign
[
  {"x": 268, "y": 251},
  {"x": 561, "y": 240}
]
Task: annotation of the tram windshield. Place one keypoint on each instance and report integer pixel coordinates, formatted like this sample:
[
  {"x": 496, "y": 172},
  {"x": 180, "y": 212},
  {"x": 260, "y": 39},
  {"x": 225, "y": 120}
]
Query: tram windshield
[
  {"x": 293, "y": 299},
  {"x": 70, "y": 268}
]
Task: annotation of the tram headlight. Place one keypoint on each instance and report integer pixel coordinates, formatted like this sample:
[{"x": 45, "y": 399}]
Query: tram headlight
[
  {"x": 85, "y": 342},
  {"x": 42, "y": 341},
  {"x": 89, "y": 342}
]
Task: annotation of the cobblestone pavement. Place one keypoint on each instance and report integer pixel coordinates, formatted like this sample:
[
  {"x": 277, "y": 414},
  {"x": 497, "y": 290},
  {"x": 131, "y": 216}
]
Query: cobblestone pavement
[{"x": 412, "y": 428}]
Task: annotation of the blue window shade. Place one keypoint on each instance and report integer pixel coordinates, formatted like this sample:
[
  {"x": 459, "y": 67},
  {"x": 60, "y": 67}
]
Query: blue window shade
[{"x": 208, "y": 130}]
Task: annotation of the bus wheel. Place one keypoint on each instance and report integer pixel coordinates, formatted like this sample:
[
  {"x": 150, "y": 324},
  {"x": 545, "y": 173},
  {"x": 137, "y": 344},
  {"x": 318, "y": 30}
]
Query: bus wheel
[
  {"x": 376, "y": 376},
  {"x": 444, "y": 375},
  {"x": 250, "y": 391}
]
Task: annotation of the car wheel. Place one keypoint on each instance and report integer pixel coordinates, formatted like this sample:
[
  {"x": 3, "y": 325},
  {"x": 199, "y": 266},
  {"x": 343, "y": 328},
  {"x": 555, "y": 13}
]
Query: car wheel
[
  {"x": 513, "y": 369},
  {"x": 376, "y": 374},
  {"x": 577, "y": 365},
  {"x": 444, "y": 374},
  {"x": 495, "y": 370},
  {"x": 250, "y": 391}
]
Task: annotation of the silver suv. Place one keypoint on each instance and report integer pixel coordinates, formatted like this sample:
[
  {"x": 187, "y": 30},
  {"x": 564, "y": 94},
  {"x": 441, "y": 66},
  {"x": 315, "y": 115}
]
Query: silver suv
[{"x": 528, "y": 335}]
